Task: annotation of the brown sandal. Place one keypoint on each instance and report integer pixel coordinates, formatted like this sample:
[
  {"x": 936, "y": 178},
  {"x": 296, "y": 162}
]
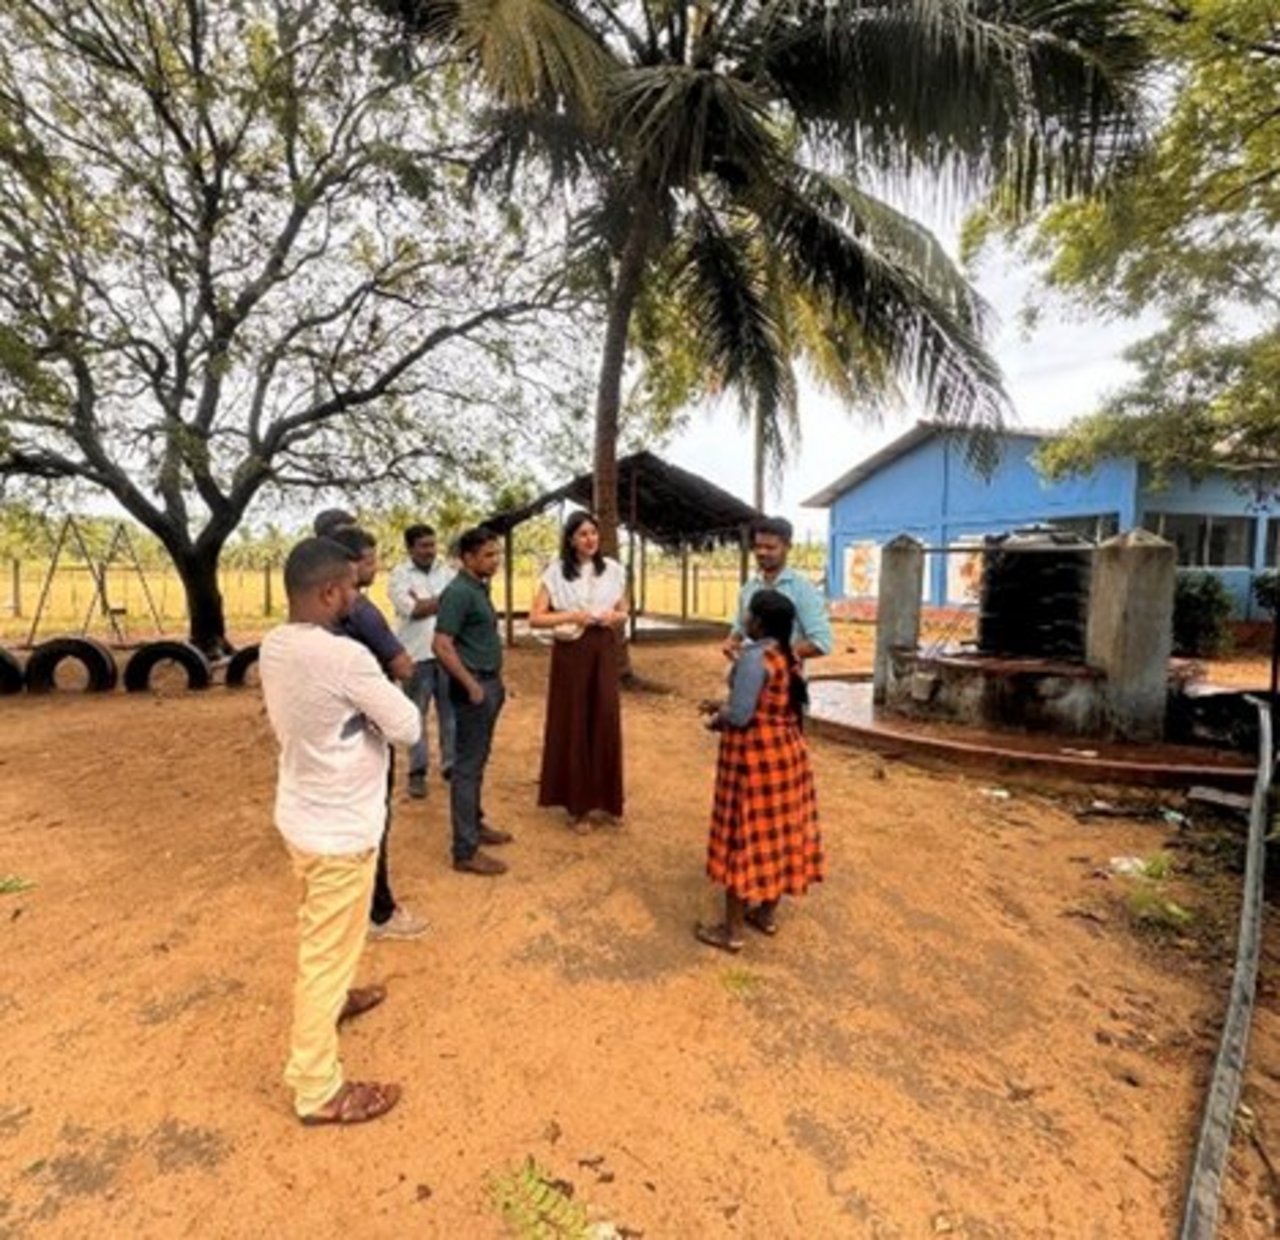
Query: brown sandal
[
  {"x": 361, "y": 999},
  {"x": 357, "y": 1102},
  {"x": 758, "y": 919},
  {"x": 717, "y": 936}
]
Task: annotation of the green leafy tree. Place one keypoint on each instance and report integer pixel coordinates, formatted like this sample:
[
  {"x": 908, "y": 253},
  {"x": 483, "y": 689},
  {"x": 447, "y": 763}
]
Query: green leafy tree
[
  {"x": 1191, "y": 233},
  {"x": 237, "y": 259},
  {"x": 719, "y": 157}
]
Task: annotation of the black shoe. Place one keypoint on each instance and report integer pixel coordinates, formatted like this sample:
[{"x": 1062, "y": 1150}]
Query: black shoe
[
  {"x": 446, "y": 773},
  {"x": 417, "y": 784}
]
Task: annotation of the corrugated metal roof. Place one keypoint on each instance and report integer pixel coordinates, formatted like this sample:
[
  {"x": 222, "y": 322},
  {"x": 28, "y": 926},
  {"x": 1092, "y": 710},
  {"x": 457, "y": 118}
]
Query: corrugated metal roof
[{"x": 673, "y": 507}]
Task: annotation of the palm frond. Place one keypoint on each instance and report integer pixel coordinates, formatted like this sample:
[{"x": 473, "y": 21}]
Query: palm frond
[
  {"x": 527, "y": 52},
  {"x": 730, "y": 311},
  {"x": 681, "y": 121},
  {"x": 513, "y": 136},
  {"x": 839, "y": 357},
  {"x": 899, "y": 238},
  {"x": 924, "y": 340},
  {"x": 1041, "y": 94}
]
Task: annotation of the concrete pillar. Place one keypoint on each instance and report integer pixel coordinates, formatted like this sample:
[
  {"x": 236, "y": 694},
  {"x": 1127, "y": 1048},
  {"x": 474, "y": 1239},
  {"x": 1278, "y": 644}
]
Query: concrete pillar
[
  {"x": 1130, "y": 630},
  {"x": 897, "y": 604}
]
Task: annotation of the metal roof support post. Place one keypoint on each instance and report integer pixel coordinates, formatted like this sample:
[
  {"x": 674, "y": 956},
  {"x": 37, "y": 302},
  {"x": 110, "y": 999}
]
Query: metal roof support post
[
  {"x": 644, "y": 574},
  {"x": 508, "y": 582},
  {"x": 632, "y": 519}
]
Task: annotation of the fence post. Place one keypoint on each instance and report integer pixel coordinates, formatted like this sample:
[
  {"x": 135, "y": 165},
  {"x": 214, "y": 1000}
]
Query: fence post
[
  {"x": 17, "y": 587},
  {"x": 267, "y": 606}
]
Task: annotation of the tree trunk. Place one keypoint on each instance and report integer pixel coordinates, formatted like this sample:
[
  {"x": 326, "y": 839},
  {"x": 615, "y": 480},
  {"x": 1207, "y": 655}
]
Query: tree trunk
[
  {"x": 622, "y": 300},
  {"x": 207, "y": 624}
]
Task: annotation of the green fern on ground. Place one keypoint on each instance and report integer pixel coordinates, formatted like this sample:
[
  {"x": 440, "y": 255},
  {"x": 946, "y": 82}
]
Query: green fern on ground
[{"x": 537, "y": 1207}]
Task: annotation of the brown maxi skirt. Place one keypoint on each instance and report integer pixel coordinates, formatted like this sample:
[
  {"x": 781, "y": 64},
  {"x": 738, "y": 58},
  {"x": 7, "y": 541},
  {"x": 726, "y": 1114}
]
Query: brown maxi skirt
[{"x": 582, "y": 744}]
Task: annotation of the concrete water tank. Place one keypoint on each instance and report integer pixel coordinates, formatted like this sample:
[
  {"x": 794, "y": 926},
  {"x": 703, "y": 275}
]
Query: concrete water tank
[{"x": 1035, "y": 594}]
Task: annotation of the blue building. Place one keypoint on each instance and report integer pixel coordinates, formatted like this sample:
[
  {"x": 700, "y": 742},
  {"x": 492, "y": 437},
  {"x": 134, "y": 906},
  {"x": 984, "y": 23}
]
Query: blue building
[{"x": 922, "y": 484}]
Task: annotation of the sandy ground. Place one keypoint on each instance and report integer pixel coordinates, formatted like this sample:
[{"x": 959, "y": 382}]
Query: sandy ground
[{"x": 963, "y": 1032}]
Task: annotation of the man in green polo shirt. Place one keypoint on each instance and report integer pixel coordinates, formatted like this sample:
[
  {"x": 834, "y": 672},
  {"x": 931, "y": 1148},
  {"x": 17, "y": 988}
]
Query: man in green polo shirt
[{"x": 467, "y": 644}]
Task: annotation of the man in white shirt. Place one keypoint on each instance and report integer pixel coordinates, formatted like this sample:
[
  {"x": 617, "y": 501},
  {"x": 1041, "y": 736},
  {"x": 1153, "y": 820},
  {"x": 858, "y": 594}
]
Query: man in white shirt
[
  {"x": 333, "y": 713},
  {"x": 414, "y": 589}
]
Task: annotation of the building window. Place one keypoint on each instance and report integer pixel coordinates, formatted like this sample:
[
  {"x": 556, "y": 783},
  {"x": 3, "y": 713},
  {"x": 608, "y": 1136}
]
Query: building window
[
  {"x": 1205, "y": 541},
  {"x": 1097, "y": 527},
  {"x": 1273, "y": 543}
]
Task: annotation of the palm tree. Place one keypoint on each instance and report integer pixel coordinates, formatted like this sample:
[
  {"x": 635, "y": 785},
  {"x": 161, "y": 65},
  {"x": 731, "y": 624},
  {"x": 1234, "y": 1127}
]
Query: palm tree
[{"x": 721, "y": 151}]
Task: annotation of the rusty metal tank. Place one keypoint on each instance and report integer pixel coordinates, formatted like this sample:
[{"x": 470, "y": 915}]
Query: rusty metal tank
[{"x": 1034, "y": 601}]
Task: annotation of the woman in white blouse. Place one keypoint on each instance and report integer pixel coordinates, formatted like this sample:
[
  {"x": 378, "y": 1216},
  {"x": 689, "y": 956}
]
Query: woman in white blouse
[{"x": 582, "y": 599}]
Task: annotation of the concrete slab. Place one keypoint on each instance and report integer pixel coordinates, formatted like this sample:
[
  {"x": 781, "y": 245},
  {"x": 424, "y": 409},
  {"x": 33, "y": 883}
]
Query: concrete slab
[{"x": 842, "y": 710}]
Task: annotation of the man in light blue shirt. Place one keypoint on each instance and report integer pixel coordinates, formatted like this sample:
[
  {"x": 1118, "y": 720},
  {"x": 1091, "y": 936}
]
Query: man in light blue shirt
[{"x": 771, "y": 543}]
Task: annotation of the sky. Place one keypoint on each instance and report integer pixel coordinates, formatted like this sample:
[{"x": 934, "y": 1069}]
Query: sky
[{"x": 1058, "y": 372}]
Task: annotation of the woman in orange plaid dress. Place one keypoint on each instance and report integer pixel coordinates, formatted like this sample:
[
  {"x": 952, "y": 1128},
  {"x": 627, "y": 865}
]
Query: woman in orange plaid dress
[{"x": 764, "y": 840}]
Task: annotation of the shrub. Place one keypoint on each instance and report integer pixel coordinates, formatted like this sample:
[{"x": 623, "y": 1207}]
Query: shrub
[
  {"x": 1201, "y": 609},
  {"x": 1266, "y": 590}
]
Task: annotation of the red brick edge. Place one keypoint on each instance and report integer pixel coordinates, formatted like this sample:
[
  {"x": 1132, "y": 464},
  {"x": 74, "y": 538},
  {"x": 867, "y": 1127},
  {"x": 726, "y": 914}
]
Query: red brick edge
[{"x": 1023, "y": 762}]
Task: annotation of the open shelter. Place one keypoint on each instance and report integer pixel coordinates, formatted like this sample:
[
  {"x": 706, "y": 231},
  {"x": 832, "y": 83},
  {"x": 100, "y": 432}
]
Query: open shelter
[{"x": 658, "y": 503}]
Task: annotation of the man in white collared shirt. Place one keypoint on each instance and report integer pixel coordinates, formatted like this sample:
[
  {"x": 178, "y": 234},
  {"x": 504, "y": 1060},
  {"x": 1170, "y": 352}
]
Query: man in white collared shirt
[{"x": 414, "y": 589}]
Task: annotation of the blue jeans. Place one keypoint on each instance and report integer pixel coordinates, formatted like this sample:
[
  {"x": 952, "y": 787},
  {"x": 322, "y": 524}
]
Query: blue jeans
[
  {"x": 475, "y": 724},
  {"x": 430, "y": 683}
]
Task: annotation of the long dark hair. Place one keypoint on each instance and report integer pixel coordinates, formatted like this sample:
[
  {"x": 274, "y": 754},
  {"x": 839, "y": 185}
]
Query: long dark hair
[
  {"x": 777, "y": 616},
  {"x": 568, "y": 556}
]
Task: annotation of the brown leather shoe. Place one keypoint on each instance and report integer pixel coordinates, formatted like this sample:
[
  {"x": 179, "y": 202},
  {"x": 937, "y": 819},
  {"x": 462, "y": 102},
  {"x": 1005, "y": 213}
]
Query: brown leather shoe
[
  {"x": 481, "y": 863},
  {"x": 493, "y": 836}
]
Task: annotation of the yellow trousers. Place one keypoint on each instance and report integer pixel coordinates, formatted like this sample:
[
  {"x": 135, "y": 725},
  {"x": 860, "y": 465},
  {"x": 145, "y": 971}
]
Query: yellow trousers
[{"x": 332, "y": 923}]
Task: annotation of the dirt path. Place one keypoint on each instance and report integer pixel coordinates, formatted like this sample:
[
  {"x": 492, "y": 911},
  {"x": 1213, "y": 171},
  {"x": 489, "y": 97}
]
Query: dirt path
[{"x": 959, "y": 1034}]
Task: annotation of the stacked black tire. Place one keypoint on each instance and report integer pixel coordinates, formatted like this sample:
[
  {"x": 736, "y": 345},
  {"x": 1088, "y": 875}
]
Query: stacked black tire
[{"x": 1035, "y": 595}]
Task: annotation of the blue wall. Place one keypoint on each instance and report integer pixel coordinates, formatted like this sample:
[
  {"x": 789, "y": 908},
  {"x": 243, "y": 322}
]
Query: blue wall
[{"x": 933, "y": 494}]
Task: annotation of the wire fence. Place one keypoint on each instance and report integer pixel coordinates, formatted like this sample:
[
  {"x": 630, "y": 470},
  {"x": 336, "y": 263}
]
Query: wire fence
[{"x": 253, "y": 598}]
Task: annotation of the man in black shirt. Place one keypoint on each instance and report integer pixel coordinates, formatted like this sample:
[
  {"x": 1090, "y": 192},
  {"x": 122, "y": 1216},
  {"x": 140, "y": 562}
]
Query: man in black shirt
[{"x": 367, "y": 625}]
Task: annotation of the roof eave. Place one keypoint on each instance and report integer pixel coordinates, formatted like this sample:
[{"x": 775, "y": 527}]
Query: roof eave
[{"x": 917, "y": 434}]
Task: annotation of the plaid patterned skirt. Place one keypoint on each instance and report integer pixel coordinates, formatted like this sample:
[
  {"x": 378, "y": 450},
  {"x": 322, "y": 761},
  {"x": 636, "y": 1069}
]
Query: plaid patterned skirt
[{"x": 765, "y": 840}]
